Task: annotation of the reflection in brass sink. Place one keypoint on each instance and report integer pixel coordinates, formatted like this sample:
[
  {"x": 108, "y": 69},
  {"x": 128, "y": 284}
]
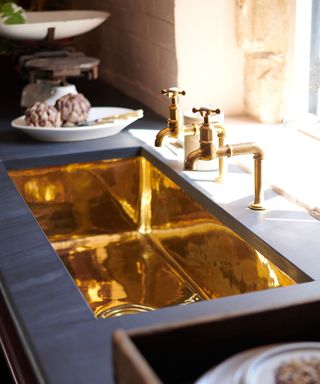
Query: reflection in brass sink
[{"x": 134, "y": 241}]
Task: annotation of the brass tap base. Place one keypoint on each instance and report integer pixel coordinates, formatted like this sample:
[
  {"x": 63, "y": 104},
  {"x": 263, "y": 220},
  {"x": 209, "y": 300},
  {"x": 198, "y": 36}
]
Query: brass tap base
[
  {"x": 256, "y": 207},
  {"x": 219, "y": 179}
]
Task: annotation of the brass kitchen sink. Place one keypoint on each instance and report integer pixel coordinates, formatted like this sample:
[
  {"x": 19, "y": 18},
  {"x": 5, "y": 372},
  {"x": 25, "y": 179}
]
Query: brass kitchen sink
[{"x": 133, "y": 240}]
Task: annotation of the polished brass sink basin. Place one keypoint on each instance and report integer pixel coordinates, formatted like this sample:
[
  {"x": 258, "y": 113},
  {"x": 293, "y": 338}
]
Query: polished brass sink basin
[{"x": 134, "y": 241}]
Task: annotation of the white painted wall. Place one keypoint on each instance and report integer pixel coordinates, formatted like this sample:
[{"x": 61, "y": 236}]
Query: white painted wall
[
  {"x": 147, "y": 45},
  {"x": 210, "y": 64}
]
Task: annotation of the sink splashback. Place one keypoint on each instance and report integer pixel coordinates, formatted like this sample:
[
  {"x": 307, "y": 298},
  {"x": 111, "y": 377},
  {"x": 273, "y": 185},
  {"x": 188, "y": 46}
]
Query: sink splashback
[{"x": 133, "y": 240}]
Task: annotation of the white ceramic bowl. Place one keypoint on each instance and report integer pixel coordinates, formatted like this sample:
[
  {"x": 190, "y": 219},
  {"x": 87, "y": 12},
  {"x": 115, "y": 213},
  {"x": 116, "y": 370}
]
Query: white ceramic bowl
[{"x": 66, "y": 24}]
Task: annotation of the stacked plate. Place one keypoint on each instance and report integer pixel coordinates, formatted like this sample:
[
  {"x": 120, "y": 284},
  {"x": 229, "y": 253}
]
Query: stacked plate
[{"x": 271, "y": 364}]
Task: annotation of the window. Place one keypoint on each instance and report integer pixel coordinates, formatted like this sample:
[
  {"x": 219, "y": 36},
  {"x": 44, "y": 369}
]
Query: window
[{"x": 314, "y": 77}]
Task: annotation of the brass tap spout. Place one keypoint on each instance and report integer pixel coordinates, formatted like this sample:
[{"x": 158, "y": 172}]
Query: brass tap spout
[
  {"x": 174, "y": 123},
  {"x": 192, "y": 157},
  {"x": 207, "y": 149},
  {"x": 187, "y": 130},
  {"x": 161, "y": 135}
]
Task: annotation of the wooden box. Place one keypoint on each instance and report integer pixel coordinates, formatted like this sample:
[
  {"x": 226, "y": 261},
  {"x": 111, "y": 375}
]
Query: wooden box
[{"x": 181, "y": 353}]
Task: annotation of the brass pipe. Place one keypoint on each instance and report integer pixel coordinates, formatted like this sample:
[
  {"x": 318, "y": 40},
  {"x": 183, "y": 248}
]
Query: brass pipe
[
  {"x": 220, "y": 129},
  {"x": 191, "y": 130},
  {"x": 246, "y": 149},
  {"x": 224, "y": 151},
  {"x": 220, "y": 177},
  {"x": 257, "y": 204},
  {"x": 258, "y": 155}
]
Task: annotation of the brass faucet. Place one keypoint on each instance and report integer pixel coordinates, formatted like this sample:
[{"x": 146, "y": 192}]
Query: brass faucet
[
  {"x": 174, "y": 122},
  {"x": 206, "y": 136},
  {"x": 207, "y": 151}
]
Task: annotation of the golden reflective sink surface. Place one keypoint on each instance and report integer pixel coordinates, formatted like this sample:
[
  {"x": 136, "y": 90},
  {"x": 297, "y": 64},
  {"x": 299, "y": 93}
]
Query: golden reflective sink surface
[{"x": 135, "y": 241}]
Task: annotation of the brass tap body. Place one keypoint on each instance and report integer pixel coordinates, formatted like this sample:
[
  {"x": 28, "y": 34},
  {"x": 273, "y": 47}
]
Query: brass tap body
[
  {"x": 207, "y": 151},
  {"x": 174, "y": 122}
]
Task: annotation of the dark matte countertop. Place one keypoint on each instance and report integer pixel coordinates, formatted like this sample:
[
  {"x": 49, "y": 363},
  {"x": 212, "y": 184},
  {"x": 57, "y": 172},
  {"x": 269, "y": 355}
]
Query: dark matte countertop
[{"x": 63, "y": 341}]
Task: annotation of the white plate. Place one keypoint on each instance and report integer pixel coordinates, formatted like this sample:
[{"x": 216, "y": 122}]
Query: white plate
[
  {"x": 228, "y": 371},
  {"x": 78, "y": 133},
  {"x": 66, "y": 24},
  {"x": 257, "y": 365},
  {"x": 263, "y": 367}
]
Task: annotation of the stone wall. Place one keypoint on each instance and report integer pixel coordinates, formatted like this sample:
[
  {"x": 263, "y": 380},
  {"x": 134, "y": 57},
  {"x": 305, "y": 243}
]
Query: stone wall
[{"x": 263, "y": 35}]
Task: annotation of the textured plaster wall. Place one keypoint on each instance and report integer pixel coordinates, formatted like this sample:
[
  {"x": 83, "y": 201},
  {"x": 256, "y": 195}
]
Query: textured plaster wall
[{"x": 263, "y": 35}]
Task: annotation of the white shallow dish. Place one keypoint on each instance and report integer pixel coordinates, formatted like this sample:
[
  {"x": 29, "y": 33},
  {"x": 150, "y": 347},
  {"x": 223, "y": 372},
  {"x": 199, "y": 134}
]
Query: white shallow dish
[
  {"x": 258, "y": 365},
  {"x": 66, "y": 23},
  {"x": 63, "y": 134}
]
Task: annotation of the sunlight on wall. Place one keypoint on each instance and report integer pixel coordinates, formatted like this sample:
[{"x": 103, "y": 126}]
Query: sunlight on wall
[
  {"x": 210, "y": 64},
  {"x": 148, "y": 45},
  {"x": 297, "y": 86}
]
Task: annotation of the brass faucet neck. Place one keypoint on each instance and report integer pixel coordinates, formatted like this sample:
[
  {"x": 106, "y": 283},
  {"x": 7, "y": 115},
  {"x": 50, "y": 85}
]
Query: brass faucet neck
[
  {"x": 205, "y": 132},
  {"x": 174, "y": 122},
  {"x": 161, "y": 135},
  {"x": 206, "y": 142}
]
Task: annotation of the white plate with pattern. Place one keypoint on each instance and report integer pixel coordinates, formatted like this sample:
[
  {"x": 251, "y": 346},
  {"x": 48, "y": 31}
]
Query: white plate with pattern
[
  {"x": 80, "y": 133},
  {"x": 259, "y": 365}
]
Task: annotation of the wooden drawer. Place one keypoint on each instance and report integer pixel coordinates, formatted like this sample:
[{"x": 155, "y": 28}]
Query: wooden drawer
[{"x": 181, "y": 353}]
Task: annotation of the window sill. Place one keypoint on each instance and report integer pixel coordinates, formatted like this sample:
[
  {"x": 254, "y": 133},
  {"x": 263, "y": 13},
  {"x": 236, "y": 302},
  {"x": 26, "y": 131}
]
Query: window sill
[{"x": 291, "y": 159}]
